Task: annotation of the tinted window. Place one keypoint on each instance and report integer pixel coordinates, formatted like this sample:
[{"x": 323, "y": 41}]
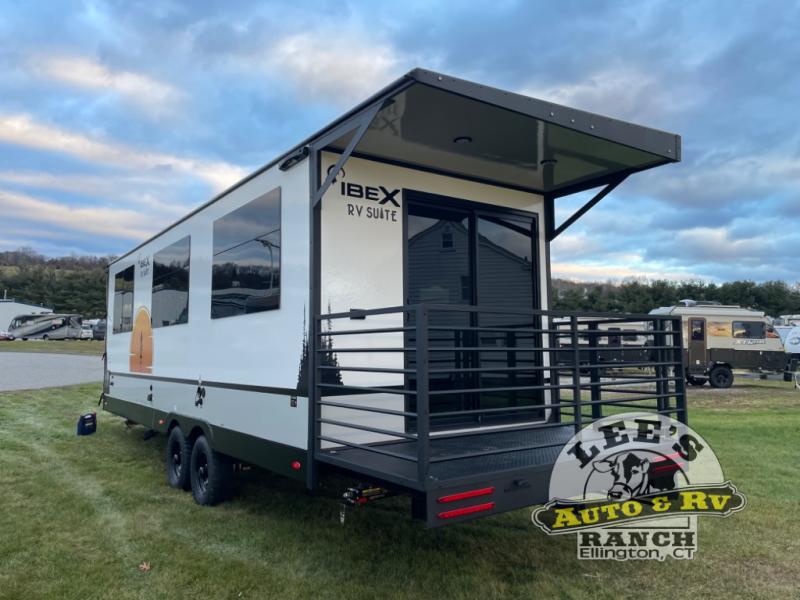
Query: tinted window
[
  {"x": 749, "y": 329},
  {"x": 170, "y": 303},
  {"x": 123, "y": 300},
  {"x": 698, "y": 330},
  {"x": 246, "y": 269}
]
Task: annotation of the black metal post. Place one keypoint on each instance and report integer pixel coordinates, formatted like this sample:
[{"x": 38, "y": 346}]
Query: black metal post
[
  {"x": 680, "y": 375},
  {"x": 423, "y": 405},
  {"x": 576, "y": 374},
  {"x": 660, "y": 340},
  {"x": 594, "y": 371}
]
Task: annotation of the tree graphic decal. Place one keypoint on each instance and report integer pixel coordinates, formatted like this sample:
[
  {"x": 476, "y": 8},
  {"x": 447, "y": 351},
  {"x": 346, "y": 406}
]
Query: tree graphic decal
[{"x": 327, "y": 358}]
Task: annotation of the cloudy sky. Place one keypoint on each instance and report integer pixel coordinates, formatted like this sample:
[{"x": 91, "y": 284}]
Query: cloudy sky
[{"x": 118, "y": 117}]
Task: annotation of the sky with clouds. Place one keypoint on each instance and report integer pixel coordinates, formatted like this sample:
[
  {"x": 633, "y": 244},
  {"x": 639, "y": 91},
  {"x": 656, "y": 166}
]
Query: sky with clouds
[{"x": 119, "y": 117}]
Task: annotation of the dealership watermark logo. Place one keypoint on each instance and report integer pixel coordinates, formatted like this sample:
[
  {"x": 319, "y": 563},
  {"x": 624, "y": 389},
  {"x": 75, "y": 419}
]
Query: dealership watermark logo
[{"x": 632, "y": 486}]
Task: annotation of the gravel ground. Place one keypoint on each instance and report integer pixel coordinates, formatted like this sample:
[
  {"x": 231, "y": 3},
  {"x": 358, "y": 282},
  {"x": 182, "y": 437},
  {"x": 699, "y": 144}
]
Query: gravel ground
[{"x": 27, "y": 370}]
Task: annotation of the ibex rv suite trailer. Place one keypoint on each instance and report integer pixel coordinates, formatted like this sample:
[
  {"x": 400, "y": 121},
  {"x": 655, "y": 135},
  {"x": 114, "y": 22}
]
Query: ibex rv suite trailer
[
  {"x": 375, "y": 302},
  {"x": 723, "y": 337}
]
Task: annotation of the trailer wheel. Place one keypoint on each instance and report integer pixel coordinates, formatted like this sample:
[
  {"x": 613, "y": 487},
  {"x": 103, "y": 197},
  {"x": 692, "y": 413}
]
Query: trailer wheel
[
  {"x": 210, "y": 474},
  {"x": 698, "y": 381},
  {"x": 179, "y": 457},
  {"x": 721, "y": 377}
]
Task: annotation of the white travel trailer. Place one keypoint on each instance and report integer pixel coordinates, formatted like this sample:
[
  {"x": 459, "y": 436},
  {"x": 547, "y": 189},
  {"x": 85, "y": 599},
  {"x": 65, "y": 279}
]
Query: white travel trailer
[
  {"x": 720, "y": 338},
  {"x": 376, "y": 302}
]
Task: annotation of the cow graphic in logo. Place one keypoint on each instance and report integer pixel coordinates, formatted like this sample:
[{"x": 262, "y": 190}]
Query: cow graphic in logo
[{"x": 638, "y": 474}]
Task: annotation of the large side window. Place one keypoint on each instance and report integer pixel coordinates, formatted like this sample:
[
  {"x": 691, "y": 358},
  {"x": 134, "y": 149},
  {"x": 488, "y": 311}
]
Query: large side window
[
  {"x": 170, "y": 303},
  {"x": 749, "y": 329},
  {"x": 123, "y": 300},
  {"x": 246, "y": 268}
]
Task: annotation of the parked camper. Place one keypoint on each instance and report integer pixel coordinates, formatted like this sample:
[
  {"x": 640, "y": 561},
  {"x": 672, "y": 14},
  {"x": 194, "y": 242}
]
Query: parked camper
[
  {"x": 628, "y": 342},
  {"x": 790, "y": 336},
  {"x": 720, "y": 338},
  {"x": 46, "y": 327},
  {"x": 376, "y": 302}
]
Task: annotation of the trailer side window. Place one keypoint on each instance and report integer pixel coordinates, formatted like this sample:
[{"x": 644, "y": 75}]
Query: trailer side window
[
  {"x": 123, "y": 300},
  {"x": 170, "y": 301},
  {"x": 246, "y": 267},
  {"x": 749, "y": 329}
]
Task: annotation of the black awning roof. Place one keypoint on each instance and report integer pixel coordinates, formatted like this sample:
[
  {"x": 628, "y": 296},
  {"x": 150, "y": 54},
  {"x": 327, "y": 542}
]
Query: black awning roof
[{"x": 434, "y": 121}]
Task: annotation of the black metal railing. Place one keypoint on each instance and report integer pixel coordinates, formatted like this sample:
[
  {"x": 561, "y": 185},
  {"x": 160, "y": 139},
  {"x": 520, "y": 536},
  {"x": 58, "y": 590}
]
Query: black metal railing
[{"x": 391, "y": 381}]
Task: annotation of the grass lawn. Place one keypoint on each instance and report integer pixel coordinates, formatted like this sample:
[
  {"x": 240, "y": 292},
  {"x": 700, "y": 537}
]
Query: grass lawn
[
  {"x": 79, "y": 515},
  {"x": 92, "y": 347}
]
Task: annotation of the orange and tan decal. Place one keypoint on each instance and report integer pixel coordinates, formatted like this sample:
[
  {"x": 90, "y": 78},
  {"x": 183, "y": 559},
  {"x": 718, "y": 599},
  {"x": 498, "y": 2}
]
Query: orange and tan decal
[
  {"x": 141, "y": 357},
  {"x": 719, "y": 329}
]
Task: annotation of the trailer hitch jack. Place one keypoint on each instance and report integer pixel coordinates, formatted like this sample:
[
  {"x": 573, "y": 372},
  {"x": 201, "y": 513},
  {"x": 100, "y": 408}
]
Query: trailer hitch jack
[{"x": 359, "y": 496}]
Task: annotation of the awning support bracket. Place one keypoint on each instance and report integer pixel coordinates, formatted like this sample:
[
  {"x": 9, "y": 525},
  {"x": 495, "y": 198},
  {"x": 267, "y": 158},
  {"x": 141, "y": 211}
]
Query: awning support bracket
[
  {"x": 586, "y": 207},
  {"x": 361, "y": 126}
]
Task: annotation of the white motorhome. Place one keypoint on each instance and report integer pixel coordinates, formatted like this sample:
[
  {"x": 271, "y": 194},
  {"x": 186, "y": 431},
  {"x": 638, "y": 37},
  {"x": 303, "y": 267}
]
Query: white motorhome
[
  {"x": 376, "y": 302},
  {"x": 48, "y": 326},
  {"x": 720, "y": 338}
]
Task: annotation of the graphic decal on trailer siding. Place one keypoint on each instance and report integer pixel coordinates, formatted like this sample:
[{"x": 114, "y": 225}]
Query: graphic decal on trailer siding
[
  {"x": 387, "y": 200},
  {"x": 141, "y": 350}
]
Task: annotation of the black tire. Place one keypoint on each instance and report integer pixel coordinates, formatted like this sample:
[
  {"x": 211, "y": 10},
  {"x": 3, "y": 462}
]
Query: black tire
[
  {"x": 179, "y": 458},
  {"x": 698, "y": 381},
  {"x": 45, "y": 337},
  {"x": 787, "y": 376},
  {"x": 210, "y": 474},
  {"x": 721, "y": 377}
]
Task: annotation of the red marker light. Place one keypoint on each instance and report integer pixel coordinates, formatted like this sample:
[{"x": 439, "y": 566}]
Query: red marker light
[
  {"x": 467, "y": 510},
  {"x": 463, "y": 495},
  {"x": 296, "y": 465}
]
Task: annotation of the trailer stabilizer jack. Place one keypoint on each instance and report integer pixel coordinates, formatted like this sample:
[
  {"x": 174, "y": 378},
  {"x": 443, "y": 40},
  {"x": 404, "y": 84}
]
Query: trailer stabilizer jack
[{"x": 359, "y": 496}]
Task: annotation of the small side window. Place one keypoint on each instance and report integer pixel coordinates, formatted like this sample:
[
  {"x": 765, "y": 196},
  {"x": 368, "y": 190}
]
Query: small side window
[
  {"x": 698, "y": 330},
  {"x": 123, "y": 300},
  {"x": 447, "y": 239}
]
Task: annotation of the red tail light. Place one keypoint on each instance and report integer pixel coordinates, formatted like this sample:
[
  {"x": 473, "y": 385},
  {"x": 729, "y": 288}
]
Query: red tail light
[
  {"x": 296, "y": 465},
  {"x": 463, "y": 495},
  {"x": 467, "y": 510}
]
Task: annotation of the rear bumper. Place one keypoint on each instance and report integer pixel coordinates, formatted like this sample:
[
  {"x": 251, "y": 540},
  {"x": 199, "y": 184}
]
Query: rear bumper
[{"x": 493, "y": 494}]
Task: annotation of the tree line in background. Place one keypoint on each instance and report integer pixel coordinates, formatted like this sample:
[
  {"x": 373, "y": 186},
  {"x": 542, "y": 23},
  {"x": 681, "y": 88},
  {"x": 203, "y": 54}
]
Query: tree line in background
[
  {"x": 77, "y": 284},
  {"x": 641, "y": 296},
  {"x": 65, "y": 284}
]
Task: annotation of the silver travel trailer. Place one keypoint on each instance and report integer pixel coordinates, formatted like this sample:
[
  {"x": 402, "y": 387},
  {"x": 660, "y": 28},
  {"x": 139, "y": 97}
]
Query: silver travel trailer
[
  {"x": 376, "y": 302},
  {"x": 720, "y": 338},
  {"x": 46, "y": 327}
]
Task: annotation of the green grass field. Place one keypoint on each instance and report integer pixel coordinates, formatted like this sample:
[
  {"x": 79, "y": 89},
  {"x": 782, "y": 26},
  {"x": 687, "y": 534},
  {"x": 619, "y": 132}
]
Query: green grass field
[
  {"x": 79, "y": 515},
  {"x": 92, "y": 347}
]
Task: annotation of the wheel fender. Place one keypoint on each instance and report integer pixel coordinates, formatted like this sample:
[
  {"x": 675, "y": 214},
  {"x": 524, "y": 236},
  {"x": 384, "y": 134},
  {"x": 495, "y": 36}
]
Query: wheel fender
[{"x": 189, "y": 424}]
